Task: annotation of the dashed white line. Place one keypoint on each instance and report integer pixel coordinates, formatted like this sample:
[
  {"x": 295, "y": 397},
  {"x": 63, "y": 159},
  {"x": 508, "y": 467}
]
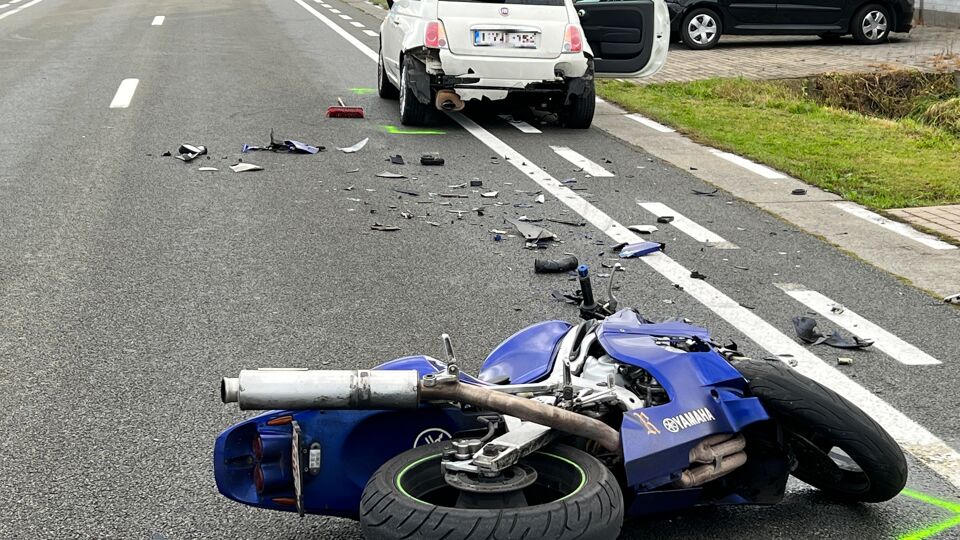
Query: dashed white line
[
  {"x": 578, "y": 160},
  {"x": 519, "y": 124},
  {"x": 926, "y": 447},
  {"x": 687, "y": 226},
  {"x": 894, "y": 347},
  {"x": 357, "y": 24},
  {"x": 18, "y": 9},
  {"x": 337, "y": 11},
  {"x": 121, "y": 100},
  {"x": 657, "y": 126},
  {"x": 757, "y": 168},
  {"x": 158, "y": 20},
  {"x": 371, "y": 33},
  {"x": 4, "y": 6},
  {"x": 895, "y": 226},
  {"x": 345, "y": 17}
]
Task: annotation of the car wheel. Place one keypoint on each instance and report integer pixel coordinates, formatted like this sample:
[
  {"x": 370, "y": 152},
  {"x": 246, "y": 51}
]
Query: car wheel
[
  {"x": 871, "y": 25},
  {"x": 701, "y": 29},
  {"x": 385, "y": 88},
  {"x": 578, "y": 114},
  {"x": 412, "y": 112}
]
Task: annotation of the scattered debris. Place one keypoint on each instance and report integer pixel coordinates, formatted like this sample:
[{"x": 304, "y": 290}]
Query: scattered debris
[
  {"x": 431, "y": 160},
  {"x": 523, "y": 205},
  {"x": 572, "y": 223},
  {"x": 384, "y": 228},
  {"x": 353, "y": 170},
  {"x": 208, "y": 169},
  {"x": 532, "y": 233},
  {"x": 476, "y": 183},
  {"x": 837, "y": 308},
  {"x": 397, "y": 160},
  {"x": 166, "y": 154},
  {"x": 952, "y": 299},
  {"x": 490, "y": 194},
  {"x": 843, "y": 361},
  {"x": 740, "y": 267},
  {"x": 643, "y": 229},
  {"x": 555, "y": 266},
  {"x": 640, "y": 249},
  {"x": 706, "y": 193},
  {"x": 799, "y": 191},
  {"x": 388, "y": 174},
  {"x": 541, "y": 199},
  {"x": 697, "y": 275},
  {"x": 454, "y": 196},
  {"x": 342, "y": 111},
  {"x": 806, "y": 328},
  {"x": 458, "y": 186},
  {"x": 189, "y": 152},
  {"x": 568, "y": 298},
  {"x": 664, "y": 219},
  {"x": 293, "y": 147},
  {"x": 245, "y": 167},
  {"x": 355, "y": 148}
]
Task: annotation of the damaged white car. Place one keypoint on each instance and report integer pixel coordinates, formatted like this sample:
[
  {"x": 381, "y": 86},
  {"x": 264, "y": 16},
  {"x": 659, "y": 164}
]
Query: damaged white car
[{"x": 439, "y": 54}]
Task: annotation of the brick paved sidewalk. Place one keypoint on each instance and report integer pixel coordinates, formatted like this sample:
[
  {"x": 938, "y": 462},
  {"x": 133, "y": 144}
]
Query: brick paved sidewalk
[
  {"x": 942, "y": 219},
  {"x": 780, "y": 57}
]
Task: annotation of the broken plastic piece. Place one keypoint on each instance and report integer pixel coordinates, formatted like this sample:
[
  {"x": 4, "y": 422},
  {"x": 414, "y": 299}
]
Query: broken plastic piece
[
  {"x": 572, "y": 223},
  {"x": 806, "y": 328},
  {"x": 476, "y": 183},
  {"x": 355, "y": 148},
  {"x": 431, "y": 160},
  {"x": 297, "y": 147},
  {"x": 705, "y": 193},
  {"x": 490, "y": 194},
  {"x": 555, "y": 266},
  {"x": 397, "y": 159},
  {"x": 388, "y": 174},
  {"x": 384, "y": 228},
  {"x": 540, "y": 199},
  {"x": 245, "y": 167},
  {"x": 643, "y": 229},
  {"x": 207, "y": 169},
  {"x": 189, "y": 152},
  {"x": 952, "y": 299},
  {"x": 640, "y": 249},
  {"x": 843, "y": 361},
  {"x": 664, "y": 219},
  {"x": 532, "y": 233},
  {"x": 697, "y": 275},
  {"x": 166, "y": 154}
]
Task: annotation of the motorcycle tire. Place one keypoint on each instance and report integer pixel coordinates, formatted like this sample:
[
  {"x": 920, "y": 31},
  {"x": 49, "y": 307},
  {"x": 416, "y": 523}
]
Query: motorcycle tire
[
  {"x": 573, "y": 496},
  {"x": 817, "y": 422}
]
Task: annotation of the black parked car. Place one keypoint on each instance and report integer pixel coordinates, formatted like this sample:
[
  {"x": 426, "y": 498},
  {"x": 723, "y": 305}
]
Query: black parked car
[{"x": 699, "y": 23}]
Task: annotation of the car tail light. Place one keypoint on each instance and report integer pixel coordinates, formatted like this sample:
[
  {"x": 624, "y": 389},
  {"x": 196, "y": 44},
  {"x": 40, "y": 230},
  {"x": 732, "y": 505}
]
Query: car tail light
[
  {"x": 435, "y": 37},
  {"x": 257, "y": 447},
  {"x": 258, "y": 478},
  {"x": 573, "y": 39}
]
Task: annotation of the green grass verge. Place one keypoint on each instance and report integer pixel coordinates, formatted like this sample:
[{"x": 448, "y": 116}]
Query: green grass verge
[{"x": 879, "y": 163}]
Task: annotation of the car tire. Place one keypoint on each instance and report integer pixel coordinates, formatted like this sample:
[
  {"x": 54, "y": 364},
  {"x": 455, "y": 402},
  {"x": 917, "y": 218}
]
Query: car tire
[
  {"x": 412, "y": 112},
  {"x": 816, "y": 422},
  {"x": 406, "y": 496},
  {"x": 385, "y": 88},
  {"x": 871, "y": 25},
  {"x": 578, "y": 114},
  {"x": 701, "y": 29}
]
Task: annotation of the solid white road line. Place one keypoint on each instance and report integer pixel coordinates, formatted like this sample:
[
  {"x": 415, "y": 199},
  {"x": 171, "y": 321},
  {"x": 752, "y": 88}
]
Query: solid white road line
[
  {"x": 18, "y": 9},
  {"x": 687, "y": 226},
  {"x": 367, "y": 51},
  {"x": 371, "y": 33},
  {"x": 356, "y": 24},
  {"x": 896, "y": 348},
  {"x": 657, "y": 126},
  {"x": 926, "y": 447},
  {"x": 4, "y": 6},
  {"x": 345, "y": 17},
  {"x": 588, "y": 166},
  {"x": 895, "y": 226},
  {"x": 158, "y": 20},
  {"x": 757, "y": 168},
  {"x": 519, "y": 124},
  {"x": 121, "y": 100}
]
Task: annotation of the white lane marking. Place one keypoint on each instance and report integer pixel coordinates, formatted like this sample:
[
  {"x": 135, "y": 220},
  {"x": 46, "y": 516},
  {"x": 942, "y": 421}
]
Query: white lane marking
[
  {"x": 896, "y": 348},
  {"x": 519, "y": 124},
  {"x": 925, "y": 446},
  {"x": 341, "y": 32},
  {"x": 371, "y": 33},
  {"x": 18, "y": 9},
  {"x": 895, "y": 226},
  {"x": 356, "y": 24},
  {"x": 345, "y": 17},
  {"x": 121, "y": 100},
  {"x": 4, "y": 5},
  {"x": 686, "y": 225},
  {"x": 158, "y": 20},
  {"x": 657, "y": 126},
  {"x": 588, "y": 166},
  {"x": 757, "y": 168},
  {"x": 328, "y": 6},
  {"x": 337, "y": 11}
]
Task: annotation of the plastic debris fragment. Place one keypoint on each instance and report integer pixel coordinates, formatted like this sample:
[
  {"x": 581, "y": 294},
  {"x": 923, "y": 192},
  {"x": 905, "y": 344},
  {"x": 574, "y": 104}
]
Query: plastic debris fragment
[
  {"x": 245, "y": 167},
  {"x": 640, "y": 249},
  {"x": 843, "y": 361},
  {"x": 664, "y": 219},
  {"x": 189, "y": 152},
  {"x": 643, "y": 229},
  {"x": 431, "y": 160},
  {"x": 806, "y": 328},
  {"x": 532, "y": 233},
  {"x": 388, "y": 174},
  {"x": 697, "y": 275},
  {"x": 397, "y": 160},
  {"x": 952, "y": 299},
  {"x": 706, "y": 193},
  {"x": 571, "y": 222},
  {"x": 490, "y": 194},
  {"x": 208, "y": 169},
  {"x": 540, "y": 199},
  {"x": 476, "y": 183},
  {"x": 355, "y": 148},
  {"x": 384, "y": 228}
]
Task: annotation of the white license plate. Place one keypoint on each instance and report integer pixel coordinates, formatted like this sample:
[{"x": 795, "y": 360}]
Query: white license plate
[{"x": 498, "y": 38}]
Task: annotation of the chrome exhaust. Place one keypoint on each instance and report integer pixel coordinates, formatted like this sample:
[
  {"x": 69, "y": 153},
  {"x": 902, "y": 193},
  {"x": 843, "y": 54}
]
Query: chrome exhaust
[
  {"x": 448, "y": 100},
  {"x": 264, "y": 389}
]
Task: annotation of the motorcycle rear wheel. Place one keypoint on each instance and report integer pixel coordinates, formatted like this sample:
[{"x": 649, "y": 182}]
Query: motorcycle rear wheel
[
  {"x": 574, "y": 496},
  {"x": 839, "y": 449}
]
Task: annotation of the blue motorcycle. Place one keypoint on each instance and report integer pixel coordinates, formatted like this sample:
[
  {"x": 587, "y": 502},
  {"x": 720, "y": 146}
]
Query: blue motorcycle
[{"x": 566, "y": 430}]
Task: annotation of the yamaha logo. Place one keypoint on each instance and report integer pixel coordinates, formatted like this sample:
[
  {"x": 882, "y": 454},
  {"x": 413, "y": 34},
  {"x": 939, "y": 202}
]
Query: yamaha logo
[
  {"x": 430, "y": 436},
  {"x": 504, "y": 11},
  {"x": 674, "y": 424}
]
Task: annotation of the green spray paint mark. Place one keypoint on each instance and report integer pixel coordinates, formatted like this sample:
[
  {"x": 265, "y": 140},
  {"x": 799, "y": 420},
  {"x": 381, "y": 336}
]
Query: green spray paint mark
[
  {"x": 362, "y": 91},
  {"x": 394, "y": 130},
  {"x": 937, "y": 527}
]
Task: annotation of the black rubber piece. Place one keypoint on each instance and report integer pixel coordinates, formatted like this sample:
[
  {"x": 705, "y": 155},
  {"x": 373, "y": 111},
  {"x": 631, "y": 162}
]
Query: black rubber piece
[
  {"x": 595, "y": 512},
  {"x": 810, "y": 412},
  {"x": 412, "y": 112},
  {"x": 555, "y": 266},
  {"x": 578, "y": 114}
]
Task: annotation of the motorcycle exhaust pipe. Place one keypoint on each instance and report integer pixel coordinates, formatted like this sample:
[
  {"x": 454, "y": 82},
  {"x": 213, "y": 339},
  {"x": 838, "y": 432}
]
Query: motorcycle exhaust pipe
[
  {"x": 719, "y": 454},
  {"x": 264, "y": 389},
  {"x": 448, "y": 100}
]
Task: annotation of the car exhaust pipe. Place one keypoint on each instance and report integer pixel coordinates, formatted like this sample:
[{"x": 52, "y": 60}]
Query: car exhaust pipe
[{"x": 448, "y": 100}]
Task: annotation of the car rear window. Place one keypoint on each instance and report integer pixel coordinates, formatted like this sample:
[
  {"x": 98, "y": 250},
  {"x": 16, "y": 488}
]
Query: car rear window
[{"x": 514, "y": 2}]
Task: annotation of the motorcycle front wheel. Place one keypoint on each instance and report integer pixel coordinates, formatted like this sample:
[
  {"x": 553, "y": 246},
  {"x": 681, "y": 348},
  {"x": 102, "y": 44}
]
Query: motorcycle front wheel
[
  {"x": 838, "y": 448},
  {"x": 574, "y": 496}
]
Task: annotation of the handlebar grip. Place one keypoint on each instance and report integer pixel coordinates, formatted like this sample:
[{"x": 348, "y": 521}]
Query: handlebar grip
[
  {"x": 586, "y": 288},
  {"x": 555, "y": 266}
]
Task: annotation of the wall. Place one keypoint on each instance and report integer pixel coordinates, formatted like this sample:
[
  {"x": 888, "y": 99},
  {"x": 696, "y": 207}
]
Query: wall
[{"x": 937, "y": 12}]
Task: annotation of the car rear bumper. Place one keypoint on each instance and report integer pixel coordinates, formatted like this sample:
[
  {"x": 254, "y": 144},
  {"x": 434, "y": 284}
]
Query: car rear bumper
[{"x": 512, "y": 73}]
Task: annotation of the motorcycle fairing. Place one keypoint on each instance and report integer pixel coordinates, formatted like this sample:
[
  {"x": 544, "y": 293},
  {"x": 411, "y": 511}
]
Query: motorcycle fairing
[{"x": 526, "y": 356}]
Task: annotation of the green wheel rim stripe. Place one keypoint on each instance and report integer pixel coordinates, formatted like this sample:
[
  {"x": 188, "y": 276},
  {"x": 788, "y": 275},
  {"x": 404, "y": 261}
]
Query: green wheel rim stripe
[{"x": 583, "y": 475}]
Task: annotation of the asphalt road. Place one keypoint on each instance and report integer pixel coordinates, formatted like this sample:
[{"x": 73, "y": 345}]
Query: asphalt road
[{"x": 131, "y": 282}]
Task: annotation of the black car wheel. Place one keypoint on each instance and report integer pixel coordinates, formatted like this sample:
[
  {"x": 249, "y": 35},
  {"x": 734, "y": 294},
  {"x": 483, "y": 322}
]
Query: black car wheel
[
  {"x": 412, "y": 112},
  {"x": 385, "y": 88},
  {"x": 572, "y": 495},
  {"x": 701, "y": 29},
  {"x": 578, "y": 114},
  {"x": 871, "y": 25}
]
